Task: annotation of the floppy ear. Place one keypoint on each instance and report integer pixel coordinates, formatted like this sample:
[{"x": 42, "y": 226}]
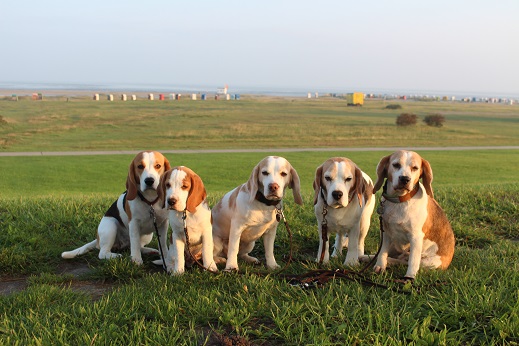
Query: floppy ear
[
  {"x": 382, "y": 168},
  {"x": 359, "y": 186},
  {"x": 317, "y": 182},
  {"x": 161, "y": 190},
  {"x": 295, "y": 185},
  {"x": 252, "y": 184},
  {"x": 167, "y": 166},
  {"x": 197, "y": 194},
  {"x": 132, "y": 182},
  {"x": 427, "y": 177}
]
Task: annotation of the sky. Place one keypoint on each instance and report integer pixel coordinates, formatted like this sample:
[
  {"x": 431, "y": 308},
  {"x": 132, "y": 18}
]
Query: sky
[{"x": 412, "y": 45}]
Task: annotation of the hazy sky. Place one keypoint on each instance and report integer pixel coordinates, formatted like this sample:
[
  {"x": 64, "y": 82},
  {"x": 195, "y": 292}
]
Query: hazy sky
[{"x": 464, "y": 45}]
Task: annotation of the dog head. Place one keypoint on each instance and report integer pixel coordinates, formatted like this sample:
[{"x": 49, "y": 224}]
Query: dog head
[
  {"x": 271, "y": 177},
  {"x": 145, "y": 172},
  {"x": 403, "y": 169},
  {"x": 180, "y": 189},
  {"x": 339, "y": 179}
]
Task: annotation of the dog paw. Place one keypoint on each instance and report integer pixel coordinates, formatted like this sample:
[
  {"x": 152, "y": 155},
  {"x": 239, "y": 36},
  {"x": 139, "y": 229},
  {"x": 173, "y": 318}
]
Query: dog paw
[
  {"x": 273, "y": 266},
  {"x": 378, "y": 269},
  {"x": 137, "y": 261},
  {"x": 250, "y": 259}
]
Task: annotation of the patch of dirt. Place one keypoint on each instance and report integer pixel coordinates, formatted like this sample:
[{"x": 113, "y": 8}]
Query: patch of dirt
[{"x": 96, "y": 289}]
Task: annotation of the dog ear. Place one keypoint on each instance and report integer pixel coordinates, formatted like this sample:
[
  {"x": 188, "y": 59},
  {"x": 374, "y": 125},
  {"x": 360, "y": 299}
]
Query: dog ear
[
  {"x": 253, "y": 183},
  {"x": 132, "y": 182},
  {"x": 382, "y": 168},
  {"x": 197, "y": 193},
  {"x": 427, "y": 177},
  {"x": 161, "y": 190},
  {"x": 295, "y": 185},
  {"x": 167, "y": 165},
  {"x": 317, "y": 182},
  {"x": 359, "y": 186}
]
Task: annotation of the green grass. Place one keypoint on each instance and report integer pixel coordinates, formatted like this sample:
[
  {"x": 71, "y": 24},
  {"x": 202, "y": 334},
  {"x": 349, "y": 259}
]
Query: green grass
[
  {"x": 259, "y": 122},
  {"x": 57, "y": 202},
  {"x": 54, "y": 203}
]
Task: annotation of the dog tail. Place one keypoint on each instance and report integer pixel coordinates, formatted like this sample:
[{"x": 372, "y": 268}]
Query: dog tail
[{"x": 80, "y": 250}]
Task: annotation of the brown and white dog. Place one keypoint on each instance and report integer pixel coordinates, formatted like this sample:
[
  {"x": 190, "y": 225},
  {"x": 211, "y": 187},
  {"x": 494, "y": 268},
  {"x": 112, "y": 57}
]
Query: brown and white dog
[
  {"x": 416, "y": 230},
  {"x": 128, "y": 222},
  {"x": 184, "y": 196},
  {"x": 248, "y": 212},
  {"x": 345, "y": 194}
]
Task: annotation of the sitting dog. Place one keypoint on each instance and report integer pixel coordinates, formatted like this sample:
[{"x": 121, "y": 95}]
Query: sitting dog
[
  {"x": 128, "y": 222},
  {"x": 416, "y": 230},
  {"x": 248, "y": 212},
  {"x": 184, "y": 196},
  {"x": 343, "y": 199}
]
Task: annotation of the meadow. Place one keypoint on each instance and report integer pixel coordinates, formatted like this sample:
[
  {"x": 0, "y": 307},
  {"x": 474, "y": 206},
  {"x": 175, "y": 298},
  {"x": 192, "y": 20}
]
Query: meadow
[{"x": 53, "y": 203}]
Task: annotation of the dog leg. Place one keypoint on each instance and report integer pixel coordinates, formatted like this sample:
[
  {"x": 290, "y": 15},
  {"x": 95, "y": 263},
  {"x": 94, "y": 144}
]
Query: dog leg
[
  {"x": 381, "y": 264},
  {"x": 352, "y": 256},
  {"x": 341, "y": 242},
  {"x": 207, "y": 250},
  {"x": 243, "y": 253},
  {"x": 268, "y": 242},
  {"x": 176, "y": 253},
  {"x": 218, "y": 250},
  {"x": 80, "y": 251},
  {"x": 135, "y": 242},
  {"x": 415, "y": 255},
  {"x": 233, "y": 247},
  {"x": 107, "y": 234}
]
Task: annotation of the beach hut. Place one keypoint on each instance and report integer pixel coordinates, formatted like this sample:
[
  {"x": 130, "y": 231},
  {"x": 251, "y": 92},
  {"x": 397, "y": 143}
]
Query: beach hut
[
  {"x": 150, "y": 97},
  {"x": 193, "y": 97},
  {"x": 110, "y": 97},
  {"x": 134, "y": 97},
  {"x": 203, "y": 97},
  {"x": 123, "y": 97},
  {"x": 171, "y": 96},
  {"x": 309, "y": 95},
  {"x": 161, "y": 97},
  {"x": 177, "y": 97},
  {"x": 96, "y": 97}
]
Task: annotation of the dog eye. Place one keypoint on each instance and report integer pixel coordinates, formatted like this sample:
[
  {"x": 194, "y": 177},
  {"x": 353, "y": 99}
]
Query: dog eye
[
  {"x": 328, "y": 178},
  {"x": 157, "y": 166},
  {"x": 348, "y": 179},
  {"x": 185, "y": 187},
  {"x": 396, "y": 165},
  {"x": 414, "y": 168},
  {"x": 168, "y": 185},
  {"x": 141, "y": 166},
  {"x": 265, "y": 173},
  {"x": 284, "y": 174}
]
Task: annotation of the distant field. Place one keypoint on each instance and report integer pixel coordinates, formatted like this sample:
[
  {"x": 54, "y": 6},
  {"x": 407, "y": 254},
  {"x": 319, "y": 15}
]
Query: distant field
[{"x": 254, "y": 122}]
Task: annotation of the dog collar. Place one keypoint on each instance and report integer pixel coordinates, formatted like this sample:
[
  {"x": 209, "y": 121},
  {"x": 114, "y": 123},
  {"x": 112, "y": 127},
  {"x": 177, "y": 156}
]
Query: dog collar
[
  {"x": 400, "y": 199},
  {"x": 141, "y": 196},
  {"x": 262, "y": 199}
]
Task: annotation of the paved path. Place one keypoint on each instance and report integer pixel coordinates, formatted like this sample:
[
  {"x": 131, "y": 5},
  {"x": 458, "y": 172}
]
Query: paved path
[{"x": 279, "y": 150}]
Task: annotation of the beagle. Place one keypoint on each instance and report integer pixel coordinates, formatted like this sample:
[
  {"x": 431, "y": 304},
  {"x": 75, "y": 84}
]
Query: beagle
[
  {"x": 248, "y": 212},
  {"x": 184, "y": 195},
  {"x": 129, "y": 222},
  {"x": 416, "y": 229},
  {"x": 344, "y": 202}
]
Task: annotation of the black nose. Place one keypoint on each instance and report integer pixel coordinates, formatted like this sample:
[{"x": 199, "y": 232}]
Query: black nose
[
  {"x": 172, "y": 201},
  {"x": 403, "y": 179},
  {"x": 149, "y": 181},
  {"x": 337, "y": 195}
]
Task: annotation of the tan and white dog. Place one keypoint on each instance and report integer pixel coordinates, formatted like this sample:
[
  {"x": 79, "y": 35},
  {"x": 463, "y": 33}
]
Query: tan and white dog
[
  {"x": 345, "y": 194},
  {"x": 248, "y": 212},
  {"x": 416, "y": 230},
  {"x": 184, "y": 196},
  {"x": 128, "y": 222}
]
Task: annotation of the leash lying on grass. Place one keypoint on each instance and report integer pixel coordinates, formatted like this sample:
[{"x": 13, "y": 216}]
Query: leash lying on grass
[{"x": 313, "y": 278}]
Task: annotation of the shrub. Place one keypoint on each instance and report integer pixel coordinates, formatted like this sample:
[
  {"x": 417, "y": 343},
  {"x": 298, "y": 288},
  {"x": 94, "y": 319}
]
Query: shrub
[
  {"x": 406, "y": 119},
  {"x": 394, "y": 106},
  {"x": 434, "y": 120}
]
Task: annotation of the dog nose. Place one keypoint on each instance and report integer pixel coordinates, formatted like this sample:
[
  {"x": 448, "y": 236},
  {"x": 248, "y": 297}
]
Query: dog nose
[
  {"x": 403, "y": 179},
  {"x": 172, "y": 201},
  {"x": 337, "y": 195},
  {"x": 149, "y": 181},
  {"x": 273, "y": 187}
]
